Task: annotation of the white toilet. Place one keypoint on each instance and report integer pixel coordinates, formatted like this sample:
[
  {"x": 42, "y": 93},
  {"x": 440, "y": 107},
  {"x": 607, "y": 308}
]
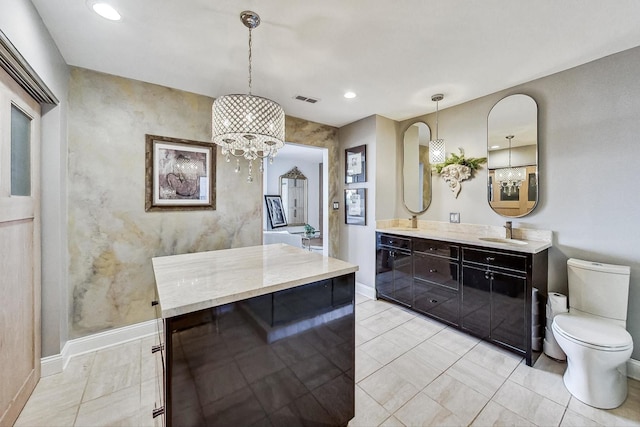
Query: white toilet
[{"x": 593, "y": 333}]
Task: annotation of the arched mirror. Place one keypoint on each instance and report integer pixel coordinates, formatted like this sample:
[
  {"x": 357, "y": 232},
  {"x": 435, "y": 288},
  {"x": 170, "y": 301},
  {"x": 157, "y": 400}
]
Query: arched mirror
[
  {"x": 416, "y": 170},
  {"x": 293, "y": 190},
  {"x": 512, "y": 154}
]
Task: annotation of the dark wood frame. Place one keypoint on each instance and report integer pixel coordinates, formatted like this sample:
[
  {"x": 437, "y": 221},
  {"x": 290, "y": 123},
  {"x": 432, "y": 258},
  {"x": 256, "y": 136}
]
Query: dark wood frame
[
  {"x": 152, "y": 177},
  {"x": 352, "y": 154},
  {"x": 361, "y": 218}
]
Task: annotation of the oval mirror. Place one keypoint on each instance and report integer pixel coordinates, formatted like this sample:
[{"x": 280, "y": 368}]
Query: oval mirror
[
  {"x": 416, "y": 171},
  {"x": 512, "y": 156}
]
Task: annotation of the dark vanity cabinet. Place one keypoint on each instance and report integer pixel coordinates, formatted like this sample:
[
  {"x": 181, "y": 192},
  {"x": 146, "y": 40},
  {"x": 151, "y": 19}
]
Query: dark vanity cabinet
[
  {"x": 394, "y": 274},
  {"x": 485, "y": 292}
]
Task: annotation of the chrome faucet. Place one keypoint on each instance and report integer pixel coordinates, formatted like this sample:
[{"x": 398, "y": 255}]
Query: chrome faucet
[
  {"x": 509, "y": 230},
  {"x": 414, "y": 221}
]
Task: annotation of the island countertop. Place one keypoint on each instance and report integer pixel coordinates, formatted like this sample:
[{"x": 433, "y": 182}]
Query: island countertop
[{"x": 196, "y": 281}]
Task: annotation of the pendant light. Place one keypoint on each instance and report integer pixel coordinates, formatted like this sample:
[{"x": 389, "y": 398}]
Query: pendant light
[
  {"x": 248, "y": 126},
  {"x": 436, "y": 146},
  {"x": 510, "y": 178}
]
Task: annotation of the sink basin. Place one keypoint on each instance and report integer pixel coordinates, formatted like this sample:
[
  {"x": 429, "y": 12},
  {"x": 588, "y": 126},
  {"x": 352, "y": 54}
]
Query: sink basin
[
  {"x": 503, "y": 241},
  {"x": 405, "y": 229}
]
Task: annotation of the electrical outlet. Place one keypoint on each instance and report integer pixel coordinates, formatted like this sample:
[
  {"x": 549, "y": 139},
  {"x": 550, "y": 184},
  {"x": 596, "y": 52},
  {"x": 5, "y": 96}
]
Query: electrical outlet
[
  {"x": 454, "y": 217},
  {"x": 336, "y": 206}
]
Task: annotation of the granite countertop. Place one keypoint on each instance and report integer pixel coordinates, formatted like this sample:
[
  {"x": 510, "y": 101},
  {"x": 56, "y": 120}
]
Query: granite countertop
[
  {"x": 532, "y": 241},
  {"x": 191, "y": 282}
]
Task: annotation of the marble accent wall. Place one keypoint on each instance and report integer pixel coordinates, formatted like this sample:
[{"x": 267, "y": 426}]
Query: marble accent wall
[{"x": 111, "y": 237}]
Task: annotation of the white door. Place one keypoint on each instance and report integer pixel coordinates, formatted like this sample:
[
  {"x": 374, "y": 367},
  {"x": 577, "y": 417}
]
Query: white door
[{"x": 19, "y": 247}]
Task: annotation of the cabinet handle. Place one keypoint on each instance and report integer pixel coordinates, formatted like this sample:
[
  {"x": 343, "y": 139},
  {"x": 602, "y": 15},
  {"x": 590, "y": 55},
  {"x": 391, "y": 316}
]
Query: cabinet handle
[
  {"x": 490, "y": 258},
  {"x": 433, "y": 270},
  {"x": 433, "y": 300},
  {"x": 154, "y": 303},
  {"x": 432, "y": 249},
  {"x": 391, "y": 242},
  {"x": 157, "y": 348},
  {"x": 157, "y": 412}
]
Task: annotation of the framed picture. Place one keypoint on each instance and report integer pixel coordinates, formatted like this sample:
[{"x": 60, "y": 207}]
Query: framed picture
[
  {"x": 355, "y": 206},
  {"x": 275, "y": 211},
  {"x": 355, "y": 169},
  {"x": 180, "y": 174}
]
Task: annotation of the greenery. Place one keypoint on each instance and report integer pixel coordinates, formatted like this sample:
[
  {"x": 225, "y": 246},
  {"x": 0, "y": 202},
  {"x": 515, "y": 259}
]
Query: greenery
[
  {"x": 309, "y": 230},
  {"x": 472, "y": 162}
]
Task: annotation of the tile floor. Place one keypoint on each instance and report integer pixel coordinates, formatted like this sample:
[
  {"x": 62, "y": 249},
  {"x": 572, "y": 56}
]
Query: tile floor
[{"x": 410, "y": 371}]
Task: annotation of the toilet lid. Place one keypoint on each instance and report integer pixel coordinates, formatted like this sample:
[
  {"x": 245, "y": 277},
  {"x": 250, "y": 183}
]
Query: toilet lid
[{"x": 593, "y": 332}]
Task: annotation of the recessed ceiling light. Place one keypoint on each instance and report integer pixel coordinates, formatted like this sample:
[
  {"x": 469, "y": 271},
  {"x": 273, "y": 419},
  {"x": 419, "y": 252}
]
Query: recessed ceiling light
[
  {"x": 106, "y": 11},
  {"x": 349, "y": 95}
]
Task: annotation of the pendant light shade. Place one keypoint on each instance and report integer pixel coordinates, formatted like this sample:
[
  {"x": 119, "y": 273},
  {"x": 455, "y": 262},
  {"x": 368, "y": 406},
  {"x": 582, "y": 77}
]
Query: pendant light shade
[{"x": 437, "y": 151}]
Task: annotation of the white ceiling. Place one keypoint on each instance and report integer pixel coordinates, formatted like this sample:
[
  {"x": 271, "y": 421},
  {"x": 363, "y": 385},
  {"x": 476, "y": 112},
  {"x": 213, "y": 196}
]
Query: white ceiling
[{"x": 393, "y": 54}]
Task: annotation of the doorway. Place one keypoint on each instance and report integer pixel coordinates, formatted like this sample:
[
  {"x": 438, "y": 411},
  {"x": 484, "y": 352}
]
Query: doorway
[{"x": 313, "y": 163}]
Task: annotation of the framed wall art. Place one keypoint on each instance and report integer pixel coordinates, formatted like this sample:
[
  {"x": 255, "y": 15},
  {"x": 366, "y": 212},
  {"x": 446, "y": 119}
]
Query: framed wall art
[
  {"x": 180, "y": 174},
  {"x": 355, "y": 169},
  {"x": 355, "y": 206},
  {"x": 275, "y": 211}
]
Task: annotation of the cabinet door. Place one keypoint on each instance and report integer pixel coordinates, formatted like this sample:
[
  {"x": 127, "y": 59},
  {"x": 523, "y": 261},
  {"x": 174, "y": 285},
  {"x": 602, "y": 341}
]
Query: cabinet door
[
  {"x": 476, "y": 301},
  {"x": 393, "y": 275},
  {"x": 508, "y": 308},
  {"x": 402, "y": 277},
  {"x": 384, "y": 272}
]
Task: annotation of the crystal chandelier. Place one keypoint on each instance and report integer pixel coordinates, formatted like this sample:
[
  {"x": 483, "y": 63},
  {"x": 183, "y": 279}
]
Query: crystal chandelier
[
  {"x": 510, "y": 178},
  {"x": 436, "y": 146},
  {"x": 245, "y": 125}
]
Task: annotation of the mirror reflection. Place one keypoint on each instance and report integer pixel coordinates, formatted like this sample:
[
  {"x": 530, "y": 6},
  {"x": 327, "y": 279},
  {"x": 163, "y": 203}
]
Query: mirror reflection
[
  {"x": 416, "y": 170},
  {"x": 293, "y": 191},
  {"x": 512, "y": 153}
]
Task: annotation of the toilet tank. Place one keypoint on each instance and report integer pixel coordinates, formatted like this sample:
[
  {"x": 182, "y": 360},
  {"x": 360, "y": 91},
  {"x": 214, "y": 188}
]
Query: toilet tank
[{"x": 599, "y": 289}]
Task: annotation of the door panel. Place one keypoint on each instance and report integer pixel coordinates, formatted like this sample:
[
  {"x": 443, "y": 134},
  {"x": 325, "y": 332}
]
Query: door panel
[{"x": 19, "y": 248}]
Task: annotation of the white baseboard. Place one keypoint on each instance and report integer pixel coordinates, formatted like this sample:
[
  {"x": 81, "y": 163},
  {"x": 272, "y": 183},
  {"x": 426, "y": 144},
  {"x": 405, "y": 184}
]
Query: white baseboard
[
  {"x": 365, "y": 290},
  {"x": 633, "y": 369},
  {"x": 57, "y": 363}
]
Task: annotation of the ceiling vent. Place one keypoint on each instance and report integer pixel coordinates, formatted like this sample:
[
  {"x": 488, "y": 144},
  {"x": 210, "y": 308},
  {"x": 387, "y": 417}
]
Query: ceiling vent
[{"x": 306, "y": 99}]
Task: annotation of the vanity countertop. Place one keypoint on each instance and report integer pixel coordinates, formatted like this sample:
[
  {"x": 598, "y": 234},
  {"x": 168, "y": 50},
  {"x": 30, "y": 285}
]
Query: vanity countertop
[
  {"x": 531, "y": 241},
  {"x": 196, "y": 281}
]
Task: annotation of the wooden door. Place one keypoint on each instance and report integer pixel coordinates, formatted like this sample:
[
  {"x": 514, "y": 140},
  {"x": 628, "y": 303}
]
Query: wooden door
[{"x": 19, "y": 248}]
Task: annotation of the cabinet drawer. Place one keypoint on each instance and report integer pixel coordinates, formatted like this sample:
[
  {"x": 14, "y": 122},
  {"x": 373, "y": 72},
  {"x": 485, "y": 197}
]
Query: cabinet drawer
[
  {"x": 515, "y": 262},
  {"x": 395, "y": 241},
  {"x": 436, "y": 301},
  {"x": 440, "y": 271},
  {"x": 436, "y": 247}
]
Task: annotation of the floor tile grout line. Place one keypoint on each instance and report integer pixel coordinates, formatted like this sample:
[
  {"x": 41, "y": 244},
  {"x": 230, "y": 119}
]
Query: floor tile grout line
[{"x": 86, "y": 384}]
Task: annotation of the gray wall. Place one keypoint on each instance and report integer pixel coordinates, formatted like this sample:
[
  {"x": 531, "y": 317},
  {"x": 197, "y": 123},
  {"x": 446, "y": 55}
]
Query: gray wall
[
  {"x": 357, "y": 243},
  {"x": 589, "y": 134},
  {"x": 22, "y": 25}
]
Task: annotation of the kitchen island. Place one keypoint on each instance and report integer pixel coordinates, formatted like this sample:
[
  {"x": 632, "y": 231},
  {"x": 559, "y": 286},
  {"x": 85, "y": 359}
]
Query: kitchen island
[{"x": 263, "y": 335}]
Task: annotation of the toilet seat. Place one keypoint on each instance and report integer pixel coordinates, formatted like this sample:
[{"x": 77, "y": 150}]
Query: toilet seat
[{"x": 593, "y": 333}]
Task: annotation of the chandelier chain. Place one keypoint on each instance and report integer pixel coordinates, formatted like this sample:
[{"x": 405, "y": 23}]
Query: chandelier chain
[{"x": 250, "y": 45}]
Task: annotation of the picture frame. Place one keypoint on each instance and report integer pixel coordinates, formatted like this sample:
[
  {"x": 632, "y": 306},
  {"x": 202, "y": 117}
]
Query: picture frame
[
  {"x": 275, "y": 211},
  {"x": 180, "y": 174},
  {"x": 355, "y": 206},
  {"x": 355, "y": 166}
]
